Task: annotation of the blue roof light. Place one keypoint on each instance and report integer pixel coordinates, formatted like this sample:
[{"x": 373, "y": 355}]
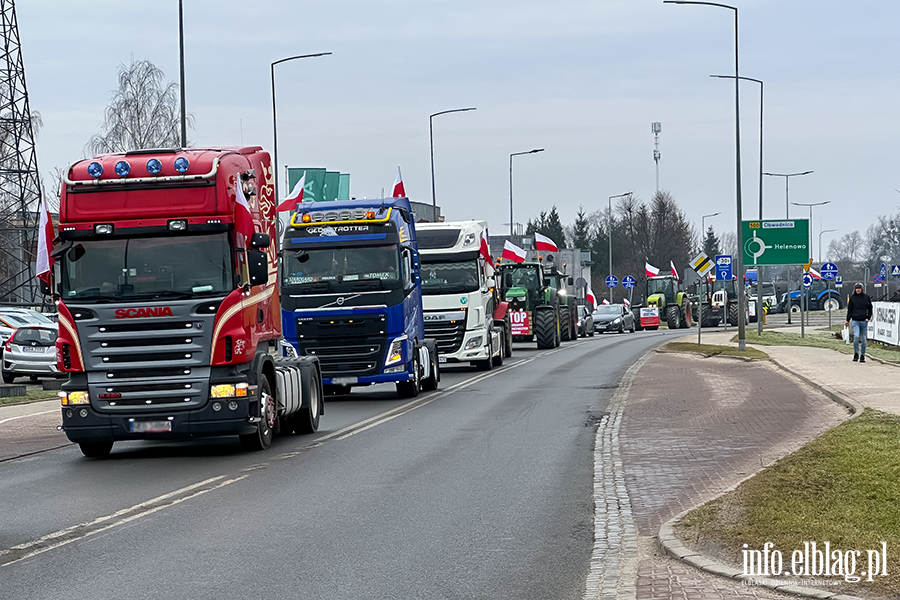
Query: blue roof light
[
  {"x": 122, "y": 168},
  {"x": 182, "y": 164},
  {"x": 154, "y": 166},
  {"x": 95, "y": 170}
]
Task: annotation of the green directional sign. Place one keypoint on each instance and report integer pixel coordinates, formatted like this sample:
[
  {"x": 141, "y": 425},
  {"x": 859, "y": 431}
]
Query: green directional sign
[{"x": 776, "y": 242}]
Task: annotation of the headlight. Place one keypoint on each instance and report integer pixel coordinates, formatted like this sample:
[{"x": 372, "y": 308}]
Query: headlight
[
  {"x": 473, "y": 342},
  {"x": 228, "y": 390},
  {"x": 395, "y": 352},
  {"x": 617, "y": 320},
  {"x": 72, "y": 398}
]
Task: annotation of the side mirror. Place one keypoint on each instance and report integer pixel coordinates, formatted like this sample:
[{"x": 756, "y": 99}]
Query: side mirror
[
  {"x": 258, "y": 266},
  {"x": 260, "y": 240},
  {"x": 45, "y": 287}
]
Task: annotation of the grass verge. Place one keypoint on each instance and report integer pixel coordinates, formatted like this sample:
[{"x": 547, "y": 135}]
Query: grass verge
[
  {"x": 32, "y": 396},
  {"x": 821, "y": 339},
  {"x": 841, "y": 488},
  {"x": 715, "y": 350}
]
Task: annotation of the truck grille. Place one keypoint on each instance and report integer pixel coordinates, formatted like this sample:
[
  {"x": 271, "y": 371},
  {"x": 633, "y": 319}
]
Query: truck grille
[
  {"x": 448, "y": 334},
  {"x": 346, "y": 345}
]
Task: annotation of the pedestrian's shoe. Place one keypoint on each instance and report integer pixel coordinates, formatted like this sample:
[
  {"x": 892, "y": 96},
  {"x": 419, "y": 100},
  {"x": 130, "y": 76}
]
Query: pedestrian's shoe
[
  {"x": 855, "y": 357},
  {"x": 862, "y": 358}
]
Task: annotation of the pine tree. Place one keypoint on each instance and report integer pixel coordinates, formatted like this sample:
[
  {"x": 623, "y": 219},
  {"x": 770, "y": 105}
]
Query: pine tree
[
  {"x": 581, "y": 234},
  {"x": 711, "y": 245}
]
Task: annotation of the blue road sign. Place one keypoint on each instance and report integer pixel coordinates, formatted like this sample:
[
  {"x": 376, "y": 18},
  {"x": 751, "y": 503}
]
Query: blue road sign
[
  {"x": 829, "y": 271},
  {"x": 838, "y": 281},
  {"x": 612, "y": 281},
  {"x": 895, "y": 270},
  {"x": 807, "y": 280},
  {"x": 628, "y": 282},
  {"x": 883, "y": 272},
  {"x": 723, "y": 267}
]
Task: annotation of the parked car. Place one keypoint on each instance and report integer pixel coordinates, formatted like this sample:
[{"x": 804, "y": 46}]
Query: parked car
[
  {"x": 613, "y": 317},
  {"x": 30, "y": 351},
  {"x": 28, "y": 315},
  {"x": 585, "y": 321}
]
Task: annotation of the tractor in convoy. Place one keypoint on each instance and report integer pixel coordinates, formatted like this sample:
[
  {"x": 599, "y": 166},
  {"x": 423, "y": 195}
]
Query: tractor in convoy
[
  {"x": 539, "y": 308},
  {"x": 673, "y": 304}
]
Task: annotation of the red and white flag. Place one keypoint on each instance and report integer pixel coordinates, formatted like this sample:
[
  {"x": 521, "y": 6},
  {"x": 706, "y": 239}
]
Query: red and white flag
[
  {"x": 674, "y": 272},
  {"x": 512, "y": 252},
  {"x": 542, "y": 242},
  {"x": 605, "y": 301},
  {"x": 294, "y": 198},
  {"x": 399, "y": 191},
  {"x": 590, "y": 297},
  {"x": 626, "y": 302},
  {"x": 650, "y": 270},
  {"x": 485, "y": 248},
  {"x": 815, "y": 274},
  {"x": 45, "y": 242},
  {"x": 243, "y": 218}
]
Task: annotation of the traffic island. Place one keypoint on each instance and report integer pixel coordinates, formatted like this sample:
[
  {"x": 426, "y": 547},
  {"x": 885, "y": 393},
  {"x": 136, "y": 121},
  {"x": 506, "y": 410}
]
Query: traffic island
[{"x": 708, "y": 350}]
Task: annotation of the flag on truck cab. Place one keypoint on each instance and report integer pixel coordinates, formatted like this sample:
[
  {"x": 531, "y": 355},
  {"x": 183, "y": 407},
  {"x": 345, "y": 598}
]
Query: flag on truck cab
[
  {"x": 650, "y": 270},
  {"x": 294, "y": 198},
  {"x": 674, "y": 272},
  {"x": 399, "y": 190},
  {"x": 243, "y": 218},
  {"x": 590, "y": 297},
  {"x": 485, "y": 249},
  {"x": 542, "y": 242},
  {"x": 512, "y": 252},
  {"x": 45, "y": 242}
]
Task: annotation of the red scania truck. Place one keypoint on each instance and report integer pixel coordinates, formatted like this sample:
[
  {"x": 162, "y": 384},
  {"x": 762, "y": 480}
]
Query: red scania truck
[{"x": 169, "y": 316}]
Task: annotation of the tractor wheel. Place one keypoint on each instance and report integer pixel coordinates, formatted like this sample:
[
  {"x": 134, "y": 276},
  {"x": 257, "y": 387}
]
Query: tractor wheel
[
  {"x": 673, "y": 317},
  {"x": 564, "y": 333},
  {"x": 733, "y": 314},
  {"x": 545, "y": 328},
  {"x": 685, "y": 315},
  {"x": 832, "y": 303},
  {"x": 636, "y": 313}
]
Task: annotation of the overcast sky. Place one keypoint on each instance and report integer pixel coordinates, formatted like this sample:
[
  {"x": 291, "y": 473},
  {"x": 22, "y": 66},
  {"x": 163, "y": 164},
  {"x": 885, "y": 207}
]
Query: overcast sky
[{"x": 582, "y": 79}]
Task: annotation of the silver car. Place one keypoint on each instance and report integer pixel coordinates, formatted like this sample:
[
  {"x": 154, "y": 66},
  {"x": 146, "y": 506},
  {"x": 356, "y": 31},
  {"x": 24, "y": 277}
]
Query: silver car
[
  {"x": 613, "y": 317},
  {"x": 30, "y": 351}
]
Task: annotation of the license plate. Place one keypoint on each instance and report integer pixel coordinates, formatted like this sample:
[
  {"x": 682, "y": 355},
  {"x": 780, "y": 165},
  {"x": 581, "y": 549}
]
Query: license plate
[
  {"x": 442, "y": 359},
  {"x": 35, "y": 349},
  {"x": 150, "y": 426},
  {"x": 344, "y": 380}
]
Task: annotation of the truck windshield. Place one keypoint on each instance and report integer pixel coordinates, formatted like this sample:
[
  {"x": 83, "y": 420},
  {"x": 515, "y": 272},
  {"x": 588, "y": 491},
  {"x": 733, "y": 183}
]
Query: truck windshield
[
  {"x": 450, "y": 277},
  {"x": 109, "y": 270},
  {"x": 338, "y": 265},
  {"x": 527, "y": 277}
]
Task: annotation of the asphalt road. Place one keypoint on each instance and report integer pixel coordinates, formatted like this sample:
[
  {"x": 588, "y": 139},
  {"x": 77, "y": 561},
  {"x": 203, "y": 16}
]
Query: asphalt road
[{"x": 480, "y": 490}]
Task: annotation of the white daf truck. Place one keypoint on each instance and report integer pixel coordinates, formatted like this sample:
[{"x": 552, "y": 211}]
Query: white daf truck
[{"x": 461, "y": 305}]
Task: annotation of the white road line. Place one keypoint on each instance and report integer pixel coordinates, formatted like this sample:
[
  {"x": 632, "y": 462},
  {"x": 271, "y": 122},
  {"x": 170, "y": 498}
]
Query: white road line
[{"x": 46, "y": 412}]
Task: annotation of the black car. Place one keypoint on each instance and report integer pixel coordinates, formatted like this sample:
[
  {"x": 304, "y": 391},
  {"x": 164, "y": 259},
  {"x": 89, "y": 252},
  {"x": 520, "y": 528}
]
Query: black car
[
  {"x": 585, "y": 321},
  {"x": 613, "y": 317}
]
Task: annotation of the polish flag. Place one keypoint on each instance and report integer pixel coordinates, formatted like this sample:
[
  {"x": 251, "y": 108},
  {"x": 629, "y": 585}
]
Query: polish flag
[
  {"x": 243, "y": 218},
  {"x": 542, "y": 242},
  {"x": 626, "y": 302},
  {"x": 674, "y": 272},
  {"x": 815, "y": 274},
  {"x": 605, "y": 301},
  {"x": 589, "y": 296},
  {"x": 399, "y": 191},
  {"x": 294, "y": 198},
  {"x": 512, "y": 252},
  {"x": 485, "y": 249},
  {"x": 45, "y": 242},
  {"x": 650, "y": 270}
]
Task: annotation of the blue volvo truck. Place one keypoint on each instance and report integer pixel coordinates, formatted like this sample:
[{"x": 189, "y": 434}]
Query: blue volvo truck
[{"x": 351, "y": 295}]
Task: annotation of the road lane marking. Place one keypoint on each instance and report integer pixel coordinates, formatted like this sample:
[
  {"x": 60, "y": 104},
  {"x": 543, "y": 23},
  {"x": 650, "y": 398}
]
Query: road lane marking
[
  {"x": 46, "y": 412},
  {"x": 104, "y": 523}
]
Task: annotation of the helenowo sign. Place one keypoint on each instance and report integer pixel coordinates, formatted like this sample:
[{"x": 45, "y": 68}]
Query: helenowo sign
[{"x": 776, "y": 242}]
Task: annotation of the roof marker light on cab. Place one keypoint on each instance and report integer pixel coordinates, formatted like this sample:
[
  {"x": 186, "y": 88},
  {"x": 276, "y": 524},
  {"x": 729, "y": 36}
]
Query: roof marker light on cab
[
  {"x": 95, "y": 170},
  {"x": 182, "y": 164},
  {"x": 122, "y": 168},
  {"x": 154, "y": 166}
]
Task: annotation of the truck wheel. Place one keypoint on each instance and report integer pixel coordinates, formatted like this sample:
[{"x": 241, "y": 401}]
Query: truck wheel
[
  {"x": 487, "y": 364},
  {"x": 431, "y": 383},
  {"x": 96, "y": 449},
  {"x": 733, "y": 314},
  {"x": 564, "y": 323},
  {"x": 545, "y": 328},
  {"x": 262, "y": 437},
  {"x": 410, "y": 389},
  {"x": 673, "y": 317},
  {"x": 507, "y": 338},
  {"x": 497, "y": 361},
  {"x": 306, "y": 420}
]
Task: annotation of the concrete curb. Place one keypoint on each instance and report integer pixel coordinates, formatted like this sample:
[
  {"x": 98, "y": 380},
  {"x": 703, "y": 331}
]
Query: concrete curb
[{"x": 669, "y": 543}]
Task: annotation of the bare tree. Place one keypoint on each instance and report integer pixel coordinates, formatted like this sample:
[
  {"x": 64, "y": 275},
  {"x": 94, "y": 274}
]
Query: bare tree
[
  {"x": 728, "y": 243},
  {"x": 846, "y": 249},
  {"x": 143, "y": 113}
]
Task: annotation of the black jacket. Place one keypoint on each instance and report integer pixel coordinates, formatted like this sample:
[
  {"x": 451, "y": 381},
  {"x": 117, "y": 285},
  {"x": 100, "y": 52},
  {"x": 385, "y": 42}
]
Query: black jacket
[{"x": 859, "y": 307}]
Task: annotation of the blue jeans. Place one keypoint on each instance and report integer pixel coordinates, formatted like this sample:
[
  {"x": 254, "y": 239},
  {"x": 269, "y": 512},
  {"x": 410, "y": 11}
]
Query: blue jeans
[{"x": 860, "y": 331}]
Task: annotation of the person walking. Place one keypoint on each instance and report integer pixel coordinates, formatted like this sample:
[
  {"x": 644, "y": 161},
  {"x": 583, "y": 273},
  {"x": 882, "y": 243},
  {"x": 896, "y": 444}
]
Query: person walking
[{"x": 859, "y": 311}]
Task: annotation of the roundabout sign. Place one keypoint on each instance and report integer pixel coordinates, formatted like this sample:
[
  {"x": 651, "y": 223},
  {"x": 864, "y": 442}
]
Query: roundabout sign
[{"x": 776, "y": 242}]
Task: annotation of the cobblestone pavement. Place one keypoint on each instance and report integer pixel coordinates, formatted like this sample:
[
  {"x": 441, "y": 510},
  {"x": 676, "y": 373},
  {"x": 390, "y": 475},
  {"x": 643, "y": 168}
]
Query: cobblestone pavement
[
  {"x": 694, "y": 427},
  {"x": 29, "y": 428}
]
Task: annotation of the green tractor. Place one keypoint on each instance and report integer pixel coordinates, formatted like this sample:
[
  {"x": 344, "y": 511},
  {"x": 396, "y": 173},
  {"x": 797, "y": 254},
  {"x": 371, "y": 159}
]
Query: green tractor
[
  {"x": 536, "y": 308},
  {"x": 674, "y": 305},
  {"x": 568, "y": 304}
]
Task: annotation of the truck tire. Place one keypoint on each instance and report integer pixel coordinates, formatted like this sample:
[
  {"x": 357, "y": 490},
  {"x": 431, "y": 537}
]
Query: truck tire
[
  {"x": 410, "y": 389},
  {"x": 733, "y": 314},
  {"x": 564, "y": 333},
  {"x": 507, "y": 338},
  {"x": 306, "y": 420},
  {"x": 545, "y": 328},
  {"x": 497, "y": 361},
  {"x": 430, "y": 383},
  {"x": 96, "y": 449},
  {"x": 673, "y": 317},
  {"x": 262, "y": 437}
]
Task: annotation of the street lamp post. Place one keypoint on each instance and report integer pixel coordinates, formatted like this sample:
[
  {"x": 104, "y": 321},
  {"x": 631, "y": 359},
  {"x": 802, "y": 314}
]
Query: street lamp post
[
  {"x": 804, "y": 297},
  {"x": 274, "y": 118},
  {"x": 609, "y": 234},
  {"x": 703, "y": 232},
  {"x": 511, "y": 221},
  {"x": 742, "y": 345},
  {"x": 431, "y": 141},
  {"x": 787, "y": 211},
  {"x": 820, "y": 241},
  {"x": 181, "y": 65}
]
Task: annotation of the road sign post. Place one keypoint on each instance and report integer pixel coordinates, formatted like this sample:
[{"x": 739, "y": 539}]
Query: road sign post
[
  {"x": 611, "y": 282},
  {"x": 829, "y": 273},
  {"x": 804, "y": 301}
]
